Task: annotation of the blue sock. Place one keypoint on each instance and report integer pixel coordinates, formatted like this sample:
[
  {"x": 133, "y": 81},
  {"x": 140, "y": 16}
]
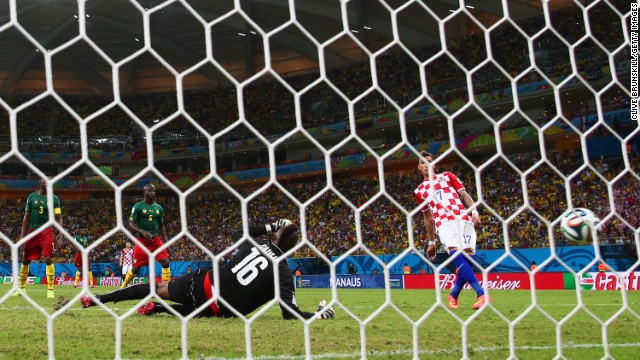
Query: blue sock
[
  {"x": 458, "y": 286},
  {"x": 466, "y": 273}
]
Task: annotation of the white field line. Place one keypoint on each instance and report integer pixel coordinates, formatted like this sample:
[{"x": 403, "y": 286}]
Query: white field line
[{"x": 386, "y": 354}]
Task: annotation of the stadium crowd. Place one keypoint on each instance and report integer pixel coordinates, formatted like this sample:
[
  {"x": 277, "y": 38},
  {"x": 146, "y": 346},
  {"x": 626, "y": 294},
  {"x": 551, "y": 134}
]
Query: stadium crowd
[
  {"x": 330, "y": 217},
  {"x": 267, "y": 101}
]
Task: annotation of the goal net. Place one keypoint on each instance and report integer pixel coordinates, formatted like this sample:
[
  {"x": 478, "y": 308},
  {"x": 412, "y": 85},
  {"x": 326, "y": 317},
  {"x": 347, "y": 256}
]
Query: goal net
[{"x": 245, "y": 112}]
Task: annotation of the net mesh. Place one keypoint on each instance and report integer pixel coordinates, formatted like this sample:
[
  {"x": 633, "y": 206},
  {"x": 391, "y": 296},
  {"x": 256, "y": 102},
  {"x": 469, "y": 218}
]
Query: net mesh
[{"x": 458, "y": 70}]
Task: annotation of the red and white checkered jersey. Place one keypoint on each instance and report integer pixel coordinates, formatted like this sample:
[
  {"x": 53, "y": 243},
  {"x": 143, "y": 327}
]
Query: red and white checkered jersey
[
  {"x": 127, "y": 257},
  {"x": 442, "y": 198}
]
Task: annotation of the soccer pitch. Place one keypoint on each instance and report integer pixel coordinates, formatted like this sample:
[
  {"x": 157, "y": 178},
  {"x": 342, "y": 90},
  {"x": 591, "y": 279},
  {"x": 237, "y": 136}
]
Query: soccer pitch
[{"x": 90, "y": 333}]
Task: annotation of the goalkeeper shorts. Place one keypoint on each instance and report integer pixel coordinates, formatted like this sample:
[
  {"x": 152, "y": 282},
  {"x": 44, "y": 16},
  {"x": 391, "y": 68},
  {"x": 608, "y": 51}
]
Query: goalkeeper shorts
[{"x": 190, "y": 290}]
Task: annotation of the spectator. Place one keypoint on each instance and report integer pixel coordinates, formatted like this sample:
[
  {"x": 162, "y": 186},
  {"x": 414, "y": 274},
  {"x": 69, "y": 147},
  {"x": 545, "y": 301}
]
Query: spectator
[
  {"x": 406, "y": 269},
  {"x": 351, "y": 269}
]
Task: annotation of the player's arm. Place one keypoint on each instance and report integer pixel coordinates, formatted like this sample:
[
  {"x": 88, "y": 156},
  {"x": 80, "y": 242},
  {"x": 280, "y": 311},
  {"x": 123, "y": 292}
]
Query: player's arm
[
  {"x": 121, "y": 256},
  {"x": 57, "y": 212},
  {"x": 287, "y": 295},
  {"x": 27, "y": 217},
  {"x": 430, "y": 227},
  {"x": 25, "y": 223},
  {"x": 259, "y": 230},
  {"x": 133, "y": 223},
  {"x": 162, "y": 228},
  {"x": 468, "y": 202}
]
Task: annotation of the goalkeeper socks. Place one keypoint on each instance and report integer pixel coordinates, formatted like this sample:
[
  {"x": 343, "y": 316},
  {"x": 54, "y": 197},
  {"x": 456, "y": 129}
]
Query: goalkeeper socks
[
  {"x": 134, "y": 292},
  {"x": 127, "y": 279},
  {"x": 465, "y": 272},
  {"x": 50, "y": 271},
  {"x": 166, "y": 274},
  {"x": 77, "y": 281},
  {"x": 24, "y": 273}
]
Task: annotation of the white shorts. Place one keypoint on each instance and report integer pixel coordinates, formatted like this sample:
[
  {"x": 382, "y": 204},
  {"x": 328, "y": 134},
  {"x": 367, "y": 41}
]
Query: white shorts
[
  {"x": 125, "y": 269},
  {"x": 458, "y": 234}
]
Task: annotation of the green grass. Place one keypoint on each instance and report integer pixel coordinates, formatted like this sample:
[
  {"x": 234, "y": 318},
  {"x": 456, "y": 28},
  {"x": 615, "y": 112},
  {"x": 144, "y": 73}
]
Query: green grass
[{"x": 90, "y": 333}]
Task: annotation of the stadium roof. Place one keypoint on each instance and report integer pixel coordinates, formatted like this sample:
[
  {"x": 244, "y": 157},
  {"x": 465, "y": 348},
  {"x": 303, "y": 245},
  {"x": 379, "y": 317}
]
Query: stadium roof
[{"x": 177, "y": 36}]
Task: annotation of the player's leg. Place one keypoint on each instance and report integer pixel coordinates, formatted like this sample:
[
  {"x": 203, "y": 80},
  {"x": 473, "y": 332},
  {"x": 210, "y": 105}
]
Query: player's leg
[
  {"x": 186, "y": 291},
  {"x": 77, "y": 262},
  {"x": 468, "y": 242},
  {"x": 134, "y": 292},
  {"x": 24, "y": 273},
  {"x": 91, "y": 284},
  {"x": 162, "y": 258},
  {"x": 166, "y": 270},
  {"x": 129, "y": 277},
  {"x": 457, "y": 287},
  {"x": 50, "y": 271},
  {"x": 140, "y": 259},
  {"x": 47, "y": 240},
  {"x": 32, "y": 251},
  {"x": 482, "y": 298},
  {"x": 125, "y": 271},
  {"x": 455, "y": 236},
  {"x": 163, "y": 292}
]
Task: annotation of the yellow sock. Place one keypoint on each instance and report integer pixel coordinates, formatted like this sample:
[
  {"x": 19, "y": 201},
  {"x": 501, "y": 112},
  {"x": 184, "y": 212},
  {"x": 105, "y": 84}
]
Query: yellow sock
[
  {"x": 90, "y": 278},
  {"x": 127, "y": 279},
  {"x": 77, "y": 281},
  {"x": 24, "y": 273},
  {"x": 166, "y": 274},
  {"x": 51, "y": 272}
]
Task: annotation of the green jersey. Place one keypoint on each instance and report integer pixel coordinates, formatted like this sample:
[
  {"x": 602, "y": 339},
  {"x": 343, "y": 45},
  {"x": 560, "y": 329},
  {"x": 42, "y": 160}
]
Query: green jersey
[
  {"x": 147, "y": 217},
  {"x": 82, "y": 240},
  {"x": 39, "y": 210}
]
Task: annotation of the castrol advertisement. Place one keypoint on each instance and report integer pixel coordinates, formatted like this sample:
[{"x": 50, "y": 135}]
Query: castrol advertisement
[{"x": 607, "y": 280}]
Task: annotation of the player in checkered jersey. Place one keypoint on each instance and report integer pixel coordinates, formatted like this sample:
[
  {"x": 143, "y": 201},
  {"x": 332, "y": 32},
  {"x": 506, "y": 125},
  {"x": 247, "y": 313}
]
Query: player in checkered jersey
[
  {"x": 444, "y": 213},
  {"x": 126, "y": 258}
]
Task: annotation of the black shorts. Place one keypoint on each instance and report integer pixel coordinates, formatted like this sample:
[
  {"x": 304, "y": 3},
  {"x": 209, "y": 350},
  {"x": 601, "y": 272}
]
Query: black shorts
[{"x": 189, "y": 291}]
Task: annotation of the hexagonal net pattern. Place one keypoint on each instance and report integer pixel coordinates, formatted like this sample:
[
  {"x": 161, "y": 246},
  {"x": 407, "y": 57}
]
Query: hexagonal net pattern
[{"x": 511, "y": 111}]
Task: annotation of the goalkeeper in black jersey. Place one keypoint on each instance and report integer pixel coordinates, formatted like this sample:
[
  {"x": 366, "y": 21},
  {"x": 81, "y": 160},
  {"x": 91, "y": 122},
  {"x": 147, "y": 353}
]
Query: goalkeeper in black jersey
[{"x": 246, "y": 282}]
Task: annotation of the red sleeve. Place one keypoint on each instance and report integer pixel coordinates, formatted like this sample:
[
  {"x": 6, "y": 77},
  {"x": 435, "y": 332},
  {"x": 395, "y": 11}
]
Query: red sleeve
[
  {"x": 424, "y": 206},
  {"x": 417, "y": 197},
  {"x": 454, "y": 181}
]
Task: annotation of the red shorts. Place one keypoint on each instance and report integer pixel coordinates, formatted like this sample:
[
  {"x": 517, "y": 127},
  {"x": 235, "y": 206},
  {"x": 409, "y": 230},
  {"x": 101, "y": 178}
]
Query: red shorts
[
  {"x": 140, "y": 258},
  {"x": 40, "y": 245},
  {"x": 78, "y": 261}
]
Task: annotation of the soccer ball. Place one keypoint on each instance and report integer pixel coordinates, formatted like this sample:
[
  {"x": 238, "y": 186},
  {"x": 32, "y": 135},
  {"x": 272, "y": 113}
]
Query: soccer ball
[{"x": 577, "y": 224}]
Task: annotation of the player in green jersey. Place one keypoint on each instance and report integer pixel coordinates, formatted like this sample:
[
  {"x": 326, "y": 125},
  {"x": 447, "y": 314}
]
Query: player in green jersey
[
  {"x": 147, "y": 220},
  {"x": 83, "y": 241},
  {"x": 41, "y": 244}
]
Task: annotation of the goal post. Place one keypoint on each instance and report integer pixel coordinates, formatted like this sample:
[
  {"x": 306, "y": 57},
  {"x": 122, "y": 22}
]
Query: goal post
[{"x": 321, "y": 110}]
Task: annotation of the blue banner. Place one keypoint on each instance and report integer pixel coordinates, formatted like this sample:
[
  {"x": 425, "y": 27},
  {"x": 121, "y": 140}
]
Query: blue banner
[
  {"x": 573, "y": 258},
  {"x": 348, "y": 281}
]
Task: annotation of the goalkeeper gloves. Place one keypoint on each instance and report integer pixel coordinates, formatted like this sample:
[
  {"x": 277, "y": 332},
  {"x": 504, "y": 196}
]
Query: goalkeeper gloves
[
  {"x": 279, "y": 224},
  {"x": 328, "y": 313}
]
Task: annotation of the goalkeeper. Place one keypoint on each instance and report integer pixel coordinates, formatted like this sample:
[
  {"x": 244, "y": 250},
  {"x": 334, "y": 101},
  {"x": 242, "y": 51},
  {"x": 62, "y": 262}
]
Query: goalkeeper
[{"x": 246, "y": 282}]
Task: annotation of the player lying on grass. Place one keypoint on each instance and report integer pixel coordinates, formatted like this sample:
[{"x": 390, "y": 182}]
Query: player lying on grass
[{"x": 246, "y": 282}]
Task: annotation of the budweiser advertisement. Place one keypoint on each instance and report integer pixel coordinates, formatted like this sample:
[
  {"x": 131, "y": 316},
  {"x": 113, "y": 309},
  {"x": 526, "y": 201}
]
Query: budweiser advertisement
[
  {"x": 495, "y": 281},
  {"x": 63, "y": 280},
  {"x": 607, "y": 280},
  {"x": 110, "y": 281}
]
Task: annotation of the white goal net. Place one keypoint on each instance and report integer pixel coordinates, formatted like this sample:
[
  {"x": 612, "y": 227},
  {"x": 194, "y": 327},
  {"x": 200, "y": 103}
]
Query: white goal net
[{"x": 248, "y": 111}]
